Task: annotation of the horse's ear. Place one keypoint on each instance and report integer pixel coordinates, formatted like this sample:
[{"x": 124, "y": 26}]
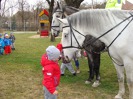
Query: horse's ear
[
  {"x": 63, "y": 21},
  {"x": 59, "y": 5}
]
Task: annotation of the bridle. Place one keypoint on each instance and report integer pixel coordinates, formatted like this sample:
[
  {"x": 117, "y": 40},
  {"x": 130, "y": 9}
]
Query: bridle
[
  {"x": 72, "y": 34},
  {"x": 80, "y": 47},
  {"x": 63, "y": 16},
  {"x": 57, "y": 26}
]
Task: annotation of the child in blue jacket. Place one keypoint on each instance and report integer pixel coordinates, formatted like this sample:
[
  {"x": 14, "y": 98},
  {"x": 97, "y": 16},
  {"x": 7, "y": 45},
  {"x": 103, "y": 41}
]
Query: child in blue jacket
[
  {"x": 12, "y": 38},
  {"x": 1, "y": 45},
  {"x": 7, "y": 42}
]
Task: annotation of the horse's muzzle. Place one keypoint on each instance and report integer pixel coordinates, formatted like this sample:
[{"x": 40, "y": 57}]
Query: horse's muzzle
[{"x": 56, "y": 34}]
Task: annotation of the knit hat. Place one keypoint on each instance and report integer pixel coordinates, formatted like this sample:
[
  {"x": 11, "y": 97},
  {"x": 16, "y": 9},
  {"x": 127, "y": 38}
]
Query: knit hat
[{"x": 52, "y": 52}]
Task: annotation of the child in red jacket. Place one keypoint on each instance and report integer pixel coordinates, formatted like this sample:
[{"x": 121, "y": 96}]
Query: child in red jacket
[
  {"x": 51, "y": 72},
  {"x": 7, "y": 42}
]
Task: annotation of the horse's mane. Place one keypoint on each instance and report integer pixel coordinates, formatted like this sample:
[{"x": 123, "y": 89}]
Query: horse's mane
[
  {"x": 69, "y": 10},
  {"x": 65, "y": 9},
  {"x": 97, "y": 18}
]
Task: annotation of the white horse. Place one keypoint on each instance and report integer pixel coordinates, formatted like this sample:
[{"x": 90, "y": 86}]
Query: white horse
[
  {"x": 114, "y": 28},
  {"x": 60, "y": 11},
  {"x": 93, "y": 55},
  {"x": 55, "y": 25}
]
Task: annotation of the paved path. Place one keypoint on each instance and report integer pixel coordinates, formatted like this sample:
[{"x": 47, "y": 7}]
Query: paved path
[{"x": 25, "y": 32}]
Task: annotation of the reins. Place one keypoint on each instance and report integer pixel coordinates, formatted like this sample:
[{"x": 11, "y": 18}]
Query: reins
[
  {"x": 63, "y": 16},
  {"x": 114, "y": 28},
  {"x": 79, "y": 47},
  {"x": 115, "y": 39},
  {"x": 72, "y": 33}
]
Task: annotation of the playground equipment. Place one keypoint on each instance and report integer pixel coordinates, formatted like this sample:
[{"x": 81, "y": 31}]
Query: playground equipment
[{"x": 44, "y": 26}]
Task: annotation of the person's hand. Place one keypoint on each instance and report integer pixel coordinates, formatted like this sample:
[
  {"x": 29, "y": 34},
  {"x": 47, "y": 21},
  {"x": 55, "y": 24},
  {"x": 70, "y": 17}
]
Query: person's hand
[
  {"x": 59, "y": 58},
  {"x": 55, "y": 92}
]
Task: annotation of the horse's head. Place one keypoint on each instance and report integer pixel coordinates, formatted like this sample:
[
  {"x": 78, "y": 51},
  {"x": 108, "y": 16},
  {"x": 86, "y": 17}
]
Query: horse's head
[
  {"x": 57, "y": 13},
  {"x": 71, "y": 40},
  {"x": 55, "y": 26},
  {"x": 60, "y": 11}
]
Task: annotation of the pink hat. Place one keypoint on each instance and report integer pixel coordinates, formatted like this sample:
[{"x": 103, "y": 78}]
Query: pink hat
[{"x": 6, "y": 35}]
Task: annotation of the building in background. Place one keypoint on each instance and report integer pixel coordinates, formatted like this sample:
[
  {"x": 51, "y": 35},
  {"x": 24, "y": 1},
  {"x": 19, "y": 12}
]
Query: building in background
[
  {"x": 128, "y": 5},
  {"x": 119, "y": 4}
]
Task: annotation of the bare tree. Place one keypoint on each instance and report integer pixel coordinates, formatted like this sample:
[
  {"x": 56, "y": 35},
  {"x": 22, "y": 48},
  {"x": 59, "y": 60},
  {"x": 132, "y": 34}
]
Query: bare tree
[
  {"x": 36, "y": 9},
  {"x": 51, "y": 5},
  {"x": 6, "y": 6},
  {"x": 0, "y": 4},
  {"x": 23, "y": 7},
  {"x": 74, "y": 3},
  {"x": 92, "y": 4}
]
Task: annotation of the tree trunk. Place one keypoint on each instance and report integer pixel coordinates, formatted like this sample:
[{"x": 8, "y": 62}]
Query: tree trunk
[
  {"x": 0, "y": 4},
  {"x": 51, "y": 5}
]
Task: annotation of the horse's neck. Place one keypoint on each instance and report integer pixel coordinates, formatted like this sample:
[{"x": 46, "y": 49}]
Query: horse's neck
[{"x": 103, "y": 24}]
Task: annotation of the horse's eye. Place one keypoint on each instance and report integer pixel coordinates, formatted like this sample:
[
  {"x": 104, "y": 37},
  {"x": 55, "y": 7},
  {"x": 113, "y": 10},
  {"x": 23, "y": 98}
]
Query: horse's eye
[{"x": 66, "y": 35}]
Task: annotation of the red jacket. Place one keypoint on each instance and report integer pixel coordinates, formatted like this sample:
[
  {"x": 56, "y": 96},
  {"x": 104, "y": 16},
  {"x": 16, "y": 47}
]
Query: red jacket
[{"x": 51, "y": 73}]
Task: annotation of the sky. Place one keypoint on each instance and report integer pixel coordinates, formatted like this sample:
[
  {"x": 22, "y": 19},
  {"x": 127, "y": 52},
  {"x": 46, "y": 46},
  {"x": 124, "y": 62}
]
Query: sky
[
  {"x": 88, "y": 1},
  {"x": 32, "y": 2}
]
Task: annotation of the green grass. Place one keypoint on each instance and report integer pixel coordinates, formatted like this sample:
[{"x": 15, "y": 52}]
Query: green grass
[{"x": 21, "y": 75}]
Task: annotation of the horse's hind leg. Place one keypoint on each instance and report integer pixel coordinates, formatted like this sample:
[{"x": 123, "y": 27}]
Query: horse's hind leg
[
  {"x": 120, "y": 74},
  {"x": 129, "y": 75}
]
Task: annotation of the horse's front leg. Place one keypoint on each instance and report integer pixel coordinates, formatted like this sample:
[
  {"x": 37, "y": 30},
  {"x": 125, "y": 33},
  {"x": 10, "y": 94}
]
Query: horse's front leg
[
  {"x": 91, "y": 68},
  {"x": 130, "y": 86},
  {"x": 120, "y": 75},
  {"x": 96, "y": 69}
]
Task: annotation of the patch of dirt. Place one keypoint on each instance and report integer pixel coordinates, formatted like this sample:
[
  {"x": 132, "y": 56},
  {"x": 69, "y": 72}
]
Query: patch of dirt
[
  {"x": 35, "y": 36},
  {"x": 1, "y": 30},
  {"x": 38, "y": 36}
]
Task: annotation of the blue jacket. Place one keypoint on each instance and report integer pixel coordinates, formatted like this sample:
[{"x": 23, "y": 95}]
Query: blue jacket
[
  {"x": 1, "y": 43},
  {"x": 7, "y": 41}
]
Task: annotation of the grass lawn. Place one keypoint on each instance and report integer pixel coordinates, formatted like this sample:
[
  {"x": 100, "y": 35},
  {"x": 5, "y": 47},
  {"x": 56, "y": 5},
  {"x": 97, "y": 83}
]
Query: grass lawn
[{"x": 21, "y": 74}]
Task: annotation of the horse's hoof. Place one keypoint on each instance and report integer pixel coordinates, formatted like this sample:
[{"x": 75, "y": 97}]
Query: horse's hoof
[
  {"x": 78, "y": 71},
  {"x": 87, "y": 82},
  {"x": 118, "y": 97},
  {"x": 99, "y": 78},
  {"x": 96, "y": 84}
]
